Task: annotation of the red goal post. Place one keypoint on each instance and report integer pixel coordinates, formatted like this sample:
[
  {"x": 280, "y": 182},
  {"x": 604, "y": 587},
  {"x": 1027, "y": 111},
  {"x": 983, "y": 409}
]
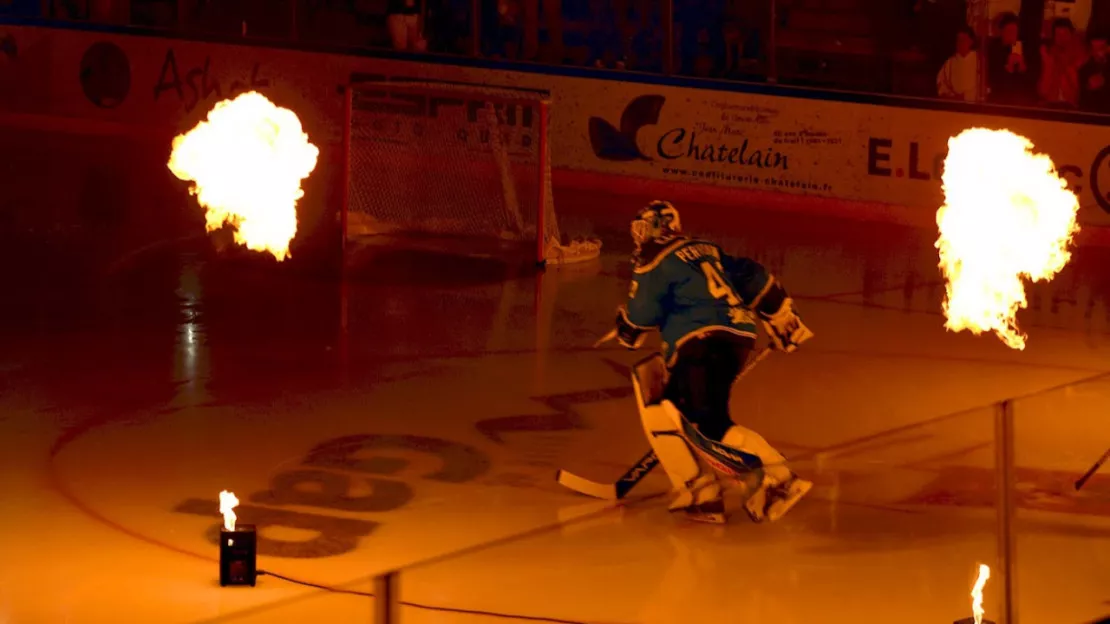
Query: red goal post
[{"x": 453, "y": 161}]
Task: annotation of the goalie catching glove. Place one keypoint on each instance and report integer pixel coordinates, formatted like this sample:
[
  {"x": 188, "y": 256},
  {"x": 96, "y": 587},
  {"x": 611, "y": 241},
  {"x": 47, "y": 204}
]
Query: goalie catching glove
[
  {"x": 780, "y": 318},
  {"x": 785, "y": 329}
]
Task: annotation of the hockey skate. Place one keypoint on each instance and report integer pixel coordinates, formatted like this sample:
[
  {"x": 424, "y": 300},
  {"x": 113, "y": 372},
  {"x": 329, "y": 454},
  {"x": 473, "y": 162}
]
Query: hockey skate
[
  {"x": 756, "y": 505},
  {"x": 781, "y": 498},
  {"x": 771, "y": 501},
  {"x": 710, "y": 512},
  {"x": 702, "y": 501}
]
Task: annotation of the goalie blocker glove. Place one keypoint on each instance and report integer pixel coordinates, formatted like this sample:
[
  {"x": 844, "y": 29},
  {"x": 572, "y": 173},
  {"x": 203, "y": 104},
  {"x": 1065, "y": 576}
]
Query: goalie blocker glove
[{"x": 629, "y": 334}]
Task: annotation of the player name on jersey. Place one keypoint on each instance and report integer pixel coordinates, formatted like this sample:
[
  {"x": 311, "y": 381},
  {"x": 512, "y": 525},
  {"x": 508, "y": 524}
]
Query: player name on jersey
[{"x": 696, "y": 251}]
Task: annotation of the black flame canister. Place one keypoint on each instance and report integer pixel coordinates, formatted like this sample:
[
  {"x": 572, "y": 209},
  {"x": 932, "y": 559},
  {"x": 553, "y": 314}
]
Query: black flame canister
[{"x": 238, "y": 555}]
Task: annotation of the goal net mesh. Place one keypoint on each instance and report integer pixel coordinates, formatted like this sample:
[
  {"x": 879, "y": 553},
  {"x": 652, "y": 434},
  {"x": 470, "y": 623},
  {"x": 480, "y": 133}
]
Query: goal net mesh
[{"x": 457, "y": 161}]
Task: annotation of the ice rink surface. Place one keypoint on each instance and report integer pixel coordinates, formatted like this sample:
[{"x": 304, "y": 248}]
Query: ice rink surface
[{"x": 426, "y": 435}]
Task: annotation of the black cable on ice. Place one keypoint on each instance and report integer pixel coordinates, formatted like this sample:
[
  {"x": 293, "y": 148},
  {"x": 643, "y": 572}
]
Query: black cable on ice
[{"x": 336, "y": 590}]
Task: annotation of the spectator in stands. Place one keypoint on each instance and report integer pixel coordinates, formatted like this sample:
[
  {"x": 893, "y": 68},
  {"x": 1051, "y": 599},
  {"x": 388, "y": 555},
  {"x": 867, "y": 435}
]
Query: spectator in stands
[
  {"x": 640, "y": 39},
  {"x": 1008, "y": 67},
  {"x": 699, "y": 37},
  {"x": 69, "y": 9},
  {"x": 157, "y": 13},
  {"x": 604, "y": 37},
  {"x": 21, "y": 8},
  {"x": 589, "y": 35},
  {"x": 447, "y": 25},
  {"x": 1094, "y": 76},
  {"x": 506, "y": 35},
  {"x": 218, "y": 17},
  {"x": 744, "y": 23},
  {"x": 703, "y": 62},
  {"x": 1061, "y": 59},
  {"x": 959, "y": 76},
  {"x": 937, "y": 22},
  {"x": 645, "y": 47},
  {"x": 403, "y": 18}
]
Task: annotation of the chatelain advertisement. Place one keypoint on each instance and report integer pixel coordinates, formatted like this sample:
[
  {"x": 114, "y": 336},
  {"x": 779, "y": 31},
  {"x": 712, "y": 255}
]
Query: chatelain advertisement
[{"x": 739, "y": 146}]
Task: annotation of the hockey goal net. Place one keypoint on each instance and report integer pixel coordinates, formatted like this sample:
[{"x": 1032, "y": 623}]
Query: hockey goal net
[{"x": 439, "y": 161}]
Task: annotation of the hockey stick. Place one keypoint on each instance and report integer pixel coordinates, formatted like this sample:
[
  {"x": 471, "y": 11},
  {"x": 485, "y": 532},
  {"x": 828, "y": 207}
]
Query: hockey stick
[
  {"x": 606, "y": 338},
  {"x": 609, "y": 491},
  {"x": 1090, "y": 473},
  {"x": 635, "y": 474}
]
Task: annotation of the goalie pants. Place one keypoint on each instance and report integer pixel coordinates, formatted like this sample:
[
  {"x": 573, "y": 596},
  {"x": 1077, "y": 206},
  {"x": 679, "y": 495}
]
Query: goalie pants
[
  {"x": 699, "y": 385},
  {"x": 701, "y": 379}
]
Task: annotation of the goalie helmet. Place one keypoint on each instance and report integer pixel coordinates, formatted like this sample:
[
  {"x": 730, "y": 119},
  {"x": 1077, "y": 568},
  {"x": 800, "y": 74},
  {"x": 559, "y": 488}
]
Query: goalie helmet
[{"x": 656, "y": 221}]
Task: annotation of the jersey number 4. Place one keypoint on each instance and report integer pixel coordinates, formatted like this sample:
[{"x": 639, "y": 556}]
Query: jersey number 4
[{"x": 718, "y": 287}]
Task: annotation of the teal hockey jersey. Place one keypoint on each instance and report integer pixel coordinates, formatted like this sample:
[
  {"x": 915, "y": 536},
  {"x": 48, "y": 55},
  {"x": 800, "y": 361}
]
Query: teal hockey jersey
[{"x": 684, "y": 287}]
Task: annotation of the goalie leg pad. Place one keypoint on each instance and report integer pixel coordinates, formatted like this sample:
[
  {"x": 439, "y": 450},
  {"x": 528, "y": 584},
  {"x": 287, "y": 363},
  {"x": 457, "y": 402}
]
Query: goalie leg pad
[
  {"x": 694, "y": 484},
  {"x": 649, "y": 379},
  {"x": 725, "y": 459},
  {"x": 774, "y": 474},
  {"x": 747, "y": 443},
  {"x": 663, "y": 426},
  {"x": 705, "y": 389}
]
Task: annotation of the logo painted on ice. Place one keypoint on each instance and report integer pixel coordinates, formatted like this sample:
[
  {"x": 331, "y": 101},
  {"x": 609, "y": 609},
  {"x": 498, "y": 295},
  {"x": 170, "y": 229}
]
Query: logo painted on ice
[{"x": 621, "y": 145}]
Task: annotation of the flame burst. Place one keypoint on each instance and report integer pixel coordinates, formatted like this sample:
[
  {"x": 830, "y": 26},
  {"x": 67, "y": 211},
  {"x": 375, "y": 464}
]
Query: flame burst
[
  {"x": 228, "y": 502},
  {"x": 977, "y": 592},
  {"x": 246, "y": 162},
  {"x": 1007, "y": 215}
]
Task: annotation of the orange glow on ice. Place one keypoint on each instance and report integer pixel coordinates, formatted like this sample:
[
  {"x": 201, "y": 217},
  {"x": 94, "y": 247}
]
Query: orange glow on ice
[
  {"x": 227, "y": 503},
  {"x": 977, "y": 592},
  {"x": 246, "y": 162}
]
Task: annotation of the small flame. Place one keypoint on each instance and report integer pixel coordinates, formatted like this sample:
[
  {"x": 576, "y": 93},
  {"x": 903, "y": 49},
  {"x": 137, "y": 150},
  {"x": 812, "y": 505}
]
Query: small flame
[
  {"x": 1007, "y": 216},
  {"x": 977, "y": 592},
  {"x": 227, "y": 503},
  {"x": 246, "y": 162}
]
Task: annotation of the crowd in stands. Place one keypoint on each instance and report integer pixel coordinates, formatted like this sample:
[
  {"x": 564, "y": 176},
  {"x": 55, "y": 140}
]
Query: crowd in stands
[
  {"x": 922, "y": 48},
  {"x": 1066, "y": 71}
]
